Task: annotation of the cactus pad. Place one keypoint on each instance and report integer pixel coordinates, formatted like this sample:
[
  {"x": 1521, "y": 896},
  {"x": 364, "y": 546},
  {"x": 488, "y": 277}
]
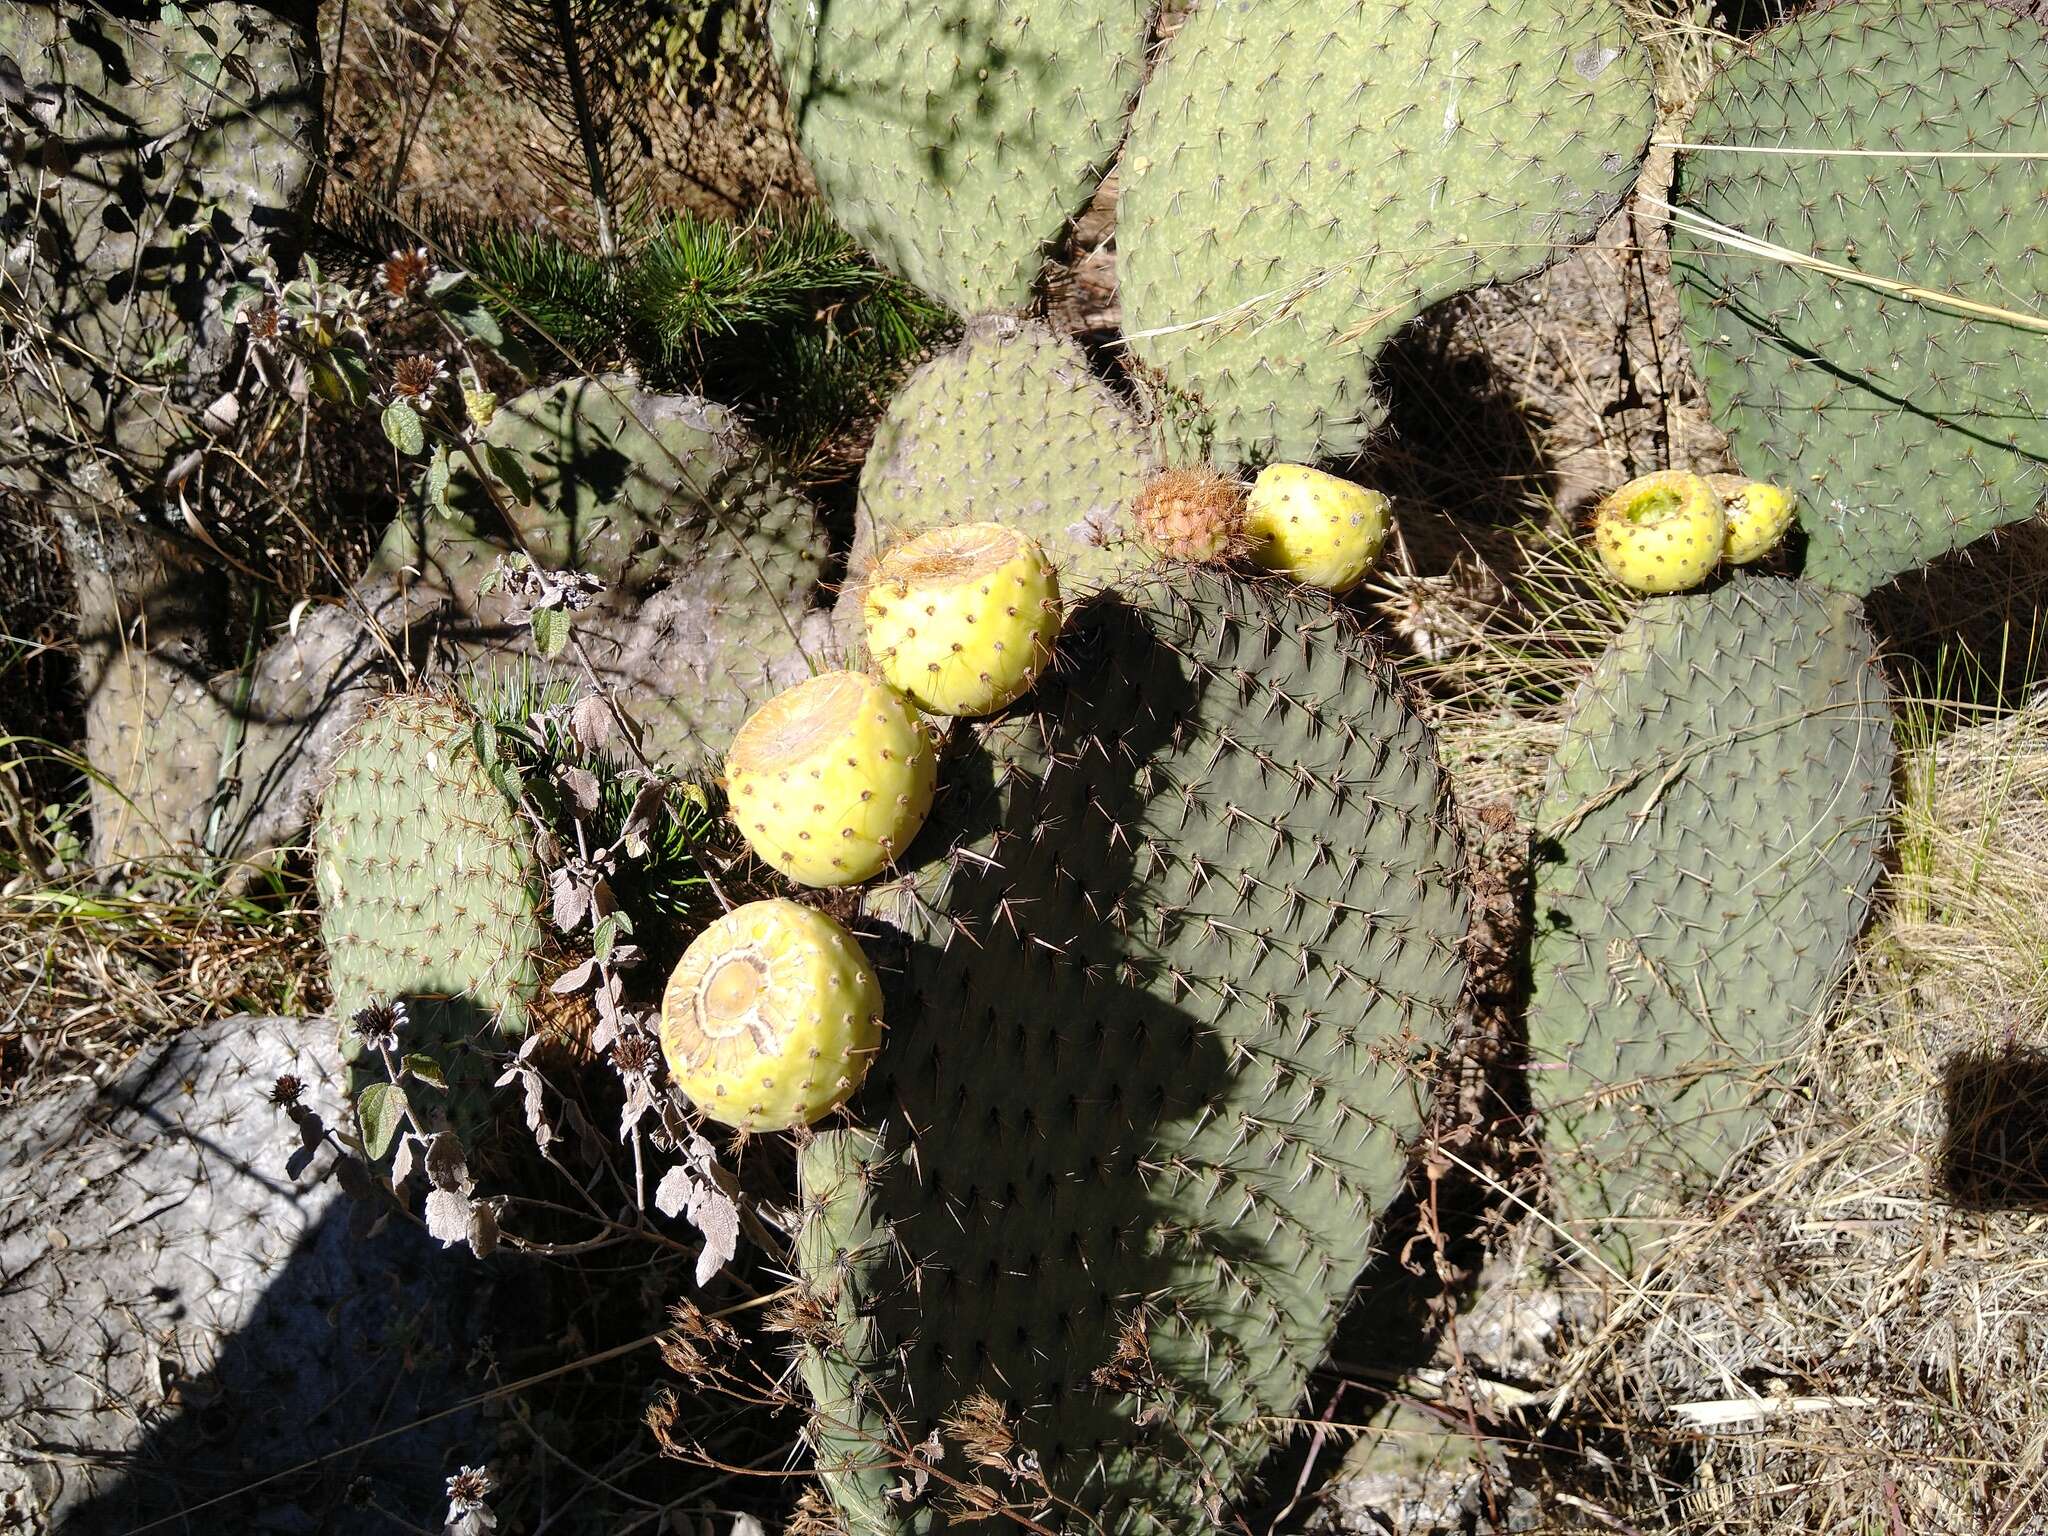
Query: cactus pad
[
  {"x": 955, "y": 138},
  {"x": 710, "y": 559},
  {"x": 1187, "y": 921},
  {"x": 1010, "y": 427},
  {"x": 1303, "y": 177},
  {"x": 429, "y": 890},
  {"x": 1708, "y": 841},
  {"x": 1907, "y": 427}
]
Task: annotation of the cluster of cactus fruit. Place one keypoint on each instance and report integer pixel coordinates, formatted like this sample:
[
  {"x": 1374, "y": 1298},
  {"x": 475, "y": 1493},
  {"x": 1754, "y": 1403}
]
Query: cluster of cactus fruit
[
  {"x": 1171, "y": 905},
  {"x": 1668, "y": 531}
]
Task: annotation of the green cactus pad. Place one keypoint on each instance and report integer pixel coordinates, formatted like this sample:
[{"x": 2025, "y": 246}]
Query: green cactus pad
[
  {"x": 429, "y": 895},
  {"x": 1303, "y": 177},
  {"x": 428, "y": 884},
  {"x": 955, "y": 138},
  {"x": 1010, "y": 427},
  {"x": 1908, "y": 428},
  {"x": 710, "y": 560},
  {"x": 1152, "y": 1060},
  {"x": 1707, "y": 845},
  {"x": 179, "y": 146}
]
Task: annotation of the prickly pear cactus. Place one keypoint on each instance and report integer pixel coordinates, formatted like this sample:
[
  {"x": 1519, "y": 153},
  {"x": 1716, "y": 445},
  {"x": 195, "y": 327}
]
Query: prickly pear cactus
[
  {"x": 1303, "y": 177},
  {"x": 710, "y": 561},
  {"x": 1010, "y": 427},
  {"x": 1188, "y": 926},
  {"x": 429, "y": 888},
  {"x": 1707, "y": 845},
  {"x": 955, "y": 138},
  {"x": 1909, "y": 423},
  {"x": 153, "y": 159},
  {"x": 161, "y": 156}
]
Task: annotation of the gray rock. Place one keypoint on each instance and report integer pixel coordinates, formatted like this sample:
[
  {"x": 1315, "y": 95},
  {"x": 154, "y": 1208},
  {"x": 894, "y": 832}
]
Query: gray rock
[{"x": 184, "y": 1325}]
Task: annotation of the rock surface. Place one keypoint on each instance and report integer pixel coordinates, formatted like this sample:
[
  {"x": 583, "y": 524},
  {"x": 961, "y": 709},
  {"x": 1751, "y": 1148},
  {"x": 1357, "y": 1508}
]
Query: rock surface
[{"x": 184, "y": 1325}]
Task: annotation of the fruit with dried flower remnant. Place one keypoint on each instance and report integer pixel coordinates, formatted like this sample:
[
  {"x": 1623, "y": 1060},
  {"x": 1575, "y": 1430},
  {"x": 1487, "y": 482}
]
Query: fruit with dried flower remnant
[
  {"x": 1321, "y": 530},
  {"x": 963, "y": 619},
  {"x": 772, "y": 1017},
  {"x": 1758, "y": 514},
  {"x": 1662, "y": 532},
  {"x": 1191, "y": 514},
  {"x": 830, "y": 780}
]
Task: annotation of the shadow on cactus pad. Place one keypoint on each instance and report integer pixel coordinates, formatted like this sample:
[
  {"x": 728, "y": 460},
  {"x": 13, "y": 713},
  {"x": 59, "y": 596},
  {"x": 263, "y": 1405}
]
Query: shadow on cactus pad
[{"x": 1158, "y": 1010}]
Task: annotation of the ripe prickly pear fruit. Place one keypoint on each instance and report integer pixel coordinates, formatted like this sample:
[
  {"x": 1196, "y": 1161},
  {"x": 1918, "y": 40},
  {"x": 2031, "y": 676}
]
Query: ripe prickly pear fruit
[
  {"x": 831, "y": 779},
  {"x": 772, "y": 1017},
  {"x": 1662, "y": 532},
  {"x": 963, "y": 619},
  {"x": 1191, "y": 514},
  {"x": 1758, "y": 514},
  {"x": 1322, "y": 531}
]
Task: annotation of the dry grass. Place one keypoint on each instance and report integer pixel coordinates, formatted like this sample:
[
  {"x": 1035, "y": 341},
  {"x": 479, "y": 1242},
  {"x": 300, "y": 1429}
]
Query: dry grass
[
  {"x": 91, "y": 976},
  {"x": 422, "y": 116}
]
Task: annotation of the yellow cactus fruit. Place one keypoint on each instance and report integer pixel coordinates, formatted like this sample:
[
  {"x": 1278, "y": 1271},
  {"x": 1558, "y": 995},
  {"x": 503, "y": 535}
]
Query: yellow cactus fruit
[
  {"x": 1191, "y": 514},
  {"x": 1661, "y": 532},
  {"x": 963, "y": 619},
  {"x": 1758, "y": 513},
  {"x": 830, "y": 780},
  {"x": 772, "y": 1017},
  {"x": 1322, "y": 531}
]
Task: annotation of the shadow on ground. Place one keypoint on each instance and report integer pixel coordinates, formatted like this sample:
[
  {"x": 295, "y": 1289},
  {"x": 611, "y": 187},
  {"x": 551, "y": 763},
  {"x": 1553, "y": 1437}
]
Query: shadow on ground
[{"x": 1994, "y": 1153}]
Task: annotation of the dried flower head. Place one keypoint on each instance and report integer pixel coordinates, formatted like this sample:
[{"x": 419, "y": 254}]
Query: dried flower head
[
  {"x": 812, "y": 1516},
  {"x": 633, "y": 1055},
  {"x": 664, "y": 1415},
  {"x": 691, "y": 1342},
  {"x": 979, "y": 1427},
  {"x": 265, "y": 320},
  {"x": 287, "y": 1091},
  {"x": 971, "y": 1504},
  {"x": 1129, "y": 1368},
  {"x": 378, "y": 1026},
  {"x": 405, "y": 275},
  {"x": 416, "y": 378},
  {"x": 469, "y": 1510},
  {"x": 469, "y": 1487}
]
